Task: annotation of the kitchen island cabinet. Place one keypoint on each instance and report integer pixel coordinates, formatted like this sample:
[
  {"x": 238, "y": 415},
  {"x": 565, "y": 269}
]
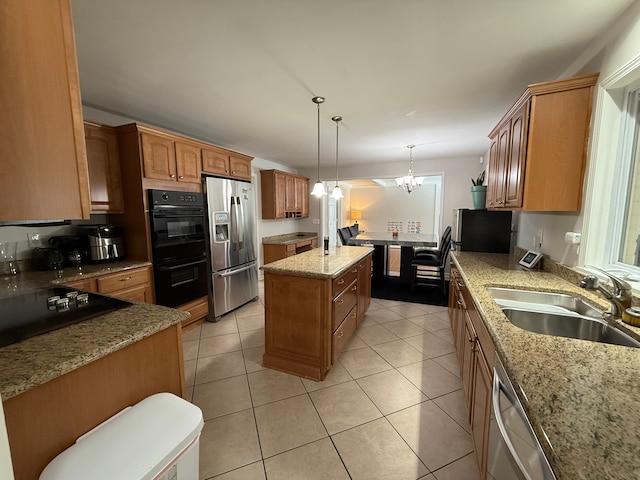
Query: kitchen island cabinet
[
  {"x": 59, "y": 385},
  {"x": 312, "y": 308},
  {"x": 580, "y": 396}
]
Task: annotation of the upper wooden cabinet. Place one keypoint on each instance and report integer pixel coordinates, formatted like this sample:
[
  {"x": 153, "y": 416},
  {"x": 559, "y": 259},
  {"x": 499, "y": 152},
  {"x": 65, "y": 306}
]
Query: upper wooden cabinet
[
  {"x": 165, "y": 158},
  {"x": 222, "y": 162},
  {"x": 104, "y": 168},
  {"x": 284, "y": 195},
  {"x": 45, "y": 173},
  {"x": 538, "y": 149}
]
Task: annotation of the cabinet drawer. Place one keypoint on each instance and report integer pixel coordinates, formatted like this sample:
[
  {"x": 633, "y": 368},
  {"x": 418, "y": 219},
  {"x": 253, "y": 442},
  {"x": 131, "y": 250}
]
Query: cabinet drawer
[
  {"x": 120, "y": 281},
  {"x": 291, "y": 248},
  {"x": 88, "y": 284},
  {"x": 343, "y": 334},
  {"x": 344, "y": 302},
  {"x": 340, "y": 283}
]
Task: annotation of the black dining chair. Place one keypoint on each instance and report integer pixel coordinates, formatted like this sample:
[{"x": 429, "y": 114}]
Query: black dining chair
[
  {"x": 428, "y": 265},
  {"x": 353, "y": 230},
  {"x": 344, "y": 234}
]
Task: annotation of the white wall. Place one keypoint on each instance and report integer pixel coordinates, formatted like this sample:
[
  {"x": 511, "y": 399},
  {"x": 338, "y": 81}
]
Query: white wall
[
  {"x": 607, "y": 54},
  {"x": 456, "y": 174},
  {"x": 380, "y": 205}
]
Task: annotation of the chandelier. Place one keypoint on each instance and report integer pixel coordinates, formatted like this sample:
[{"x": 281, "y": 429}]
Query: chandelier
[
  {"x": 409, "y": 182},
  {"x": 318, "y": 188}
]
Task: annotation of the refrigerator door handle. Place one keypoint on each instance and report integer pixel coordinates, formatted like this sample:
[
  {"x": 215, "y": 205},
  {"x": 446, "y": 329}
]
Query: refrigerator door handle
[
  {"x": 240, "y": 221},
  {"x": 238, "y": 270},
  {"x": 234, "y": 224}
]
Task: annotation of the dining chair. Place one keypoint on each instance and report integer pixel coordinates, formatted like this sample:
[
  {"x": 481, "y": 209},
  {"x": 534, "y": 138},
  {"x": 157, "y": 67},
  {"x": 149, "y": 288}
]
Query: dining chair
[
  {"x": 344, "y": 234},
  {"x": 353, "y": 230},
  {"x": 428, "y": 265}
]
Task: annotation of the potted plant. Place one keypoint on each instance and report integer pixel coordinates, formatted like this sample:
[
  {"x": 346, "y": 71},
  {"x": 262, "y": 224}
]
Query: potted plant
[{"x": 479, "y": 192}]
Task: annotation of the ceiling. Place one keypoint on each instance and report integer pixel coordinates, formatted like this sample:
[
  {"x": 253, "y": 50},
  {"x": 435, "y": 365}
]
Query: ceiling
[{"x": 241, "y": 73}]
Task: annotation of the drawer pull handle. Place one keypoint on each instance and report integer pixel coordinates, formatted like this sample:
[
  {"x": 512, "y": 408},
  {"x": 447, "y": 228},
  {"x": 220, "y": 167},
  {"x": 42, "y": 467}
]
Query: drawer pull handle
[
  {"x": 181, "y": 177},
  {"x": 124, "y": 279},
  {"x": 460, "y": 302},
  {"x": 354, "y": 315},
  {"x": 172, "y": 176},
  {"x": 460, "y": 284},
  {"x": 341, "y": 281},
  {"x": 340, "y": 334},
  {"x": 354, "y": 288},
  {"x": 340, "y": 302},
  {"x": 355, "y": 270},
  {"x": 470, "y": 340}
]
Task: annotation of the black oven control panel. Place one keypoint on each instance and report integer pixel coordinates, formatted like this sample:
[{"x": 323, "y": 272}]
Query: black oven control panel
[{"x": 172, "y": 198}]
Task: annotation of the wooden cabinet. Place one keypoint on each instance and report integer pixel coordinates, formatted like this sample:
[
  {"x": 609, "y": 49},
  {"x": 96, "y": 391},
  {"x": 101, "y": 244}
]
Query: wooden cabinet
[
  {"x": 44, "y": 162},
  {"x": 272, "y": 252},
  {"x": 476, "y": 354},
  {"x": 170, "y": 160},
  {"x": 284, "y": 195},
  {"x": 104, "y": 168},
  {"x": 133, "y": 285},
  {"x": 221, "y": 162},
  {"x": 309, "y": 320},
  {"x": 364, "y": 282},
  {"x": 537, "y": 154}
]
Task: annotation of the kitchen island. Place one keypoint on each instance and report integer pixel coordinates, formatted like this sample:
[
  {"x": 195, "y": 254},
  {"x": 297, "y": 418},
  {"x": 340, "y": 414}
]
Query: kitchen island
[
  {"x": 313, "y": 305},
  {"x": 286, "y": 245},
  {"x": 581, "y": 397},
  {"x": 59, "y": 385}
]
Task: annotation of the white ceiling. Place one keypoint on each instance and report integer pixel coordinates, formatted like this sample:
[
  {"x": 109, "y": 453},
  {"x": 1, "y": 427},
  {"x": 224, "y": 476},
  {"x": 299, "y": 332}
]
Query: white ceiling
[{"x": 241, "y": 73}]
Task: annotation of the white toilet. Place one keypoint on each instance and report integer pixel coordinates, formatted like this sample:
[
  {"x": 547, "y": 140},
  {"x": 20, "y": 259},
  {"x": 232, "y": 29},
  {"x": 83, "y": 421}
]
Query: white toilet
[{"x": 156, "y": 439}]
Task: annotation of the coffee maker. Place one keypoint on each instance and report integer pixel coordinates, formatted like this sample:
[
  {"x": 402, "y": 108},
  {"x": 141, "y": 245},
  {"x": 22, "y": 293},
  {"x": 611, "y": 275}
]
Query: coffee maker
[
  {"x": 102, "y": 243},
  {"x": 71, "y": 248}
]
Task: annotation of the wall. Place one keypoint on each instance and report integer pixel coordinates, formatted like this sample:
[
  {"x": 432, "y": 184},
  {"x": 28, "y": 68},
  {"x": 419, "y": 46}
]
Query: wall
[
  {"x": 606, "y": 54},
  {"x": 381, "y": 205},
  {"x": 456, "y": 174}
]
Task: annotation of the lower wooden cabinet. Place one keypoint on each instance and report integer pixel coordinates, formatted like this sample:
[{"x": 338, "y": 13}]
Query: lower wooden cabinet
[
  {"x": 272, "y": 252},
  {"x": 476, "y": 354},
  {"x": 309, "y": 320},
  {"x": 133, "y": 285}
]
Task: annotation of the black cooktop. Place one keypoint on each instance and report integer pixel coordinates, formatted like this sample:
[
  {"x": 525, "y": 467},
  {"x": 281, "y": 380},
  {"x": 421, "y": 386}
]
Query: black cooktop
[{"x": 41, "y": 311}]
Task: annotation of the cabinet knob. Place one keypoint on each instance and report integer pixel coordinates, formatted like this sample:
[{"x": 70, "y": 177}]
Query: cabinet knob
[
  {"x": 172, "y": 175},
  {"x": 340, "y": 302},
  {"x": 181, "y": 177},
  {"x": 341, "y": 334},
  {"x": 470, "y": 340}
]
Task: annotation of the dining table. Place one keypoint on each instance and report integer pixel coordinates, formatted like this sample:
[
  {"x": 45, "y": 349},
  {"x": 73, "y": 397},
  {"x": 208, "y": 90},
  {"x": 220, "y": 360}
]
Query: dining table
[{"x": 381, "y": 242}]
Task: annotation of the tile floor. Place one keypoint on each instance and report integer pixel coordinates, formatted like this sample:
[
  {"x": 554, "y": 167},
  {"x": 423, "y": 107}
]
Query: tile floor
[{"x": 391, "y": 408}]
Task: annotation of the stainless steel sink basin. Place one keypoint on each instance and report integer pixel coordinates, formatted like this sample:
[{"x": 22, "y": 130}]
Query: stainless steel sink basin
[
  {"x": 571, "y": 326},
  {"x": 543, "y": 301}
]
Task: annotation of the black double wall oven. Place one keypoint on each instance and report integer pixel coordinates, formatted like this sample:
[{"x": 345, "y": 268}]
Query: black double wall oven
[{"x": 179, "y": 246}]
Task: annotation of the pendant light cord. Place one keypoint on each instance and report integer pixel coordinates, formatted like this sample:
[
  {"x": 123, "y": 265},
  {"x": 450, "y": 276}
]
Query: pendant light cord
[{"x": 318, "y": 104}]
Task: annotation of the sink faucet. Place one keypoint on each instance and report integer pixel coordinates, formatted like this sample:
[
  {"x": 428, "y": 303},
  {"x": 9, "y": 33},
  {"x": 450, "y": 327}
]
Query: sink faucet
[{"x": 620, "y": 298}]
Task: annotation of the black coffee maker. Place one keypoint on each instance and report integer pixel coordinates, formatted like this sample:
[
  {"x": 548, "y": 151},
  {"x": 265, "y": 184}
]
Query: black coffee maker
[{"x": 70, "y": 246}]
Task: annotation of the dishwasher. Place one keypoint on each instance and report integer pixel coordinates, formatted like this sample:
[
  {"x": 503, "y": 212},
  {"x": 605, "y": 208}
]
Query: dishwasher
[{"x": 514, "y": 451}]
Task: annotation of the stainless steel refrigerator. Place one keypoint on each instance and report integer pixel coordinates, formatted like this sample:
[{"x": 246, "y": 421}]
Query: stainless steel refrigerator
[
  {"x": 482, "y": 230},
  {"x": 232, "y": 258}
]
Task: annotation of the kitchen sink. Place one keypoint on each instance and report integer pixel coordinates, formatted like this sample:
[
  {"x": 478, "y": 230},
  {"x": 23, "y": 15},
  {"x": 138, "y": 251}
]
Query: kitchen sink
[
  {"x": 571, "y": 326},
  {"x": 558, "y": 314},
  {"x": 546, "y": 302}
]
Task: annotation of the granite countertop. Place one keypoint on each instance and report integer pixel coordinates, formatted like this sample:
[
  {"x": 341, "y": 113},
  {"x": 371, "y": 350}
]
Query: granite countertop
[
  {"x": 288, "y": 238},
  {"x": 317, "y": 265},
  {"x": 34, "y": 361},
  {"x": 581, "y": 397}
]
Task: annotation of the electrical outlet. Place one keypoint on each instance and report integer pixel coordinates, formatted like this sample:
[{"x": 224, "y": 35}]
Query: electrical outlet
[
  {"x": 34, "y": 239},
  {"x": 316, "y": 221}
]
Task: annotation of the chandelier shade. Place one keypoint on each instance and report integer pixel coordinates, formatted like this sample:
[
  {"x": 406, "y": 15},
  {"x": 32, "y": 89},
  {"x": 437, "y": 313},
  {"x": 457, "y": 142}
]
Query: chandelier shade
[
  {"x": 409, "y": 183},
  {"x": 318, "y": 188}
]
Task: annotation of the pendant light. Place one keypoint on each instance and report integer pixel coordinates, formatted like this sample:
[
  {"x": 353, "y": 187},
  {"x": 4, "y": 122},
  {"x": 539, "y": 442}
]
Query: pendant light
[
  {"x": 409, "y": 182},
  {"x": 318, "y": 188},
  {"x": 337, "y": 192}
]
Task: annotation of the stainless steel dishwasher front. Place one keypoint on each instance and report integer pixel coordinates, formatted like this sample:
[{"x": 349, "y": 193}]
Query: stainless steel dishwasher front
[{"x": 514, "y": 450}]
